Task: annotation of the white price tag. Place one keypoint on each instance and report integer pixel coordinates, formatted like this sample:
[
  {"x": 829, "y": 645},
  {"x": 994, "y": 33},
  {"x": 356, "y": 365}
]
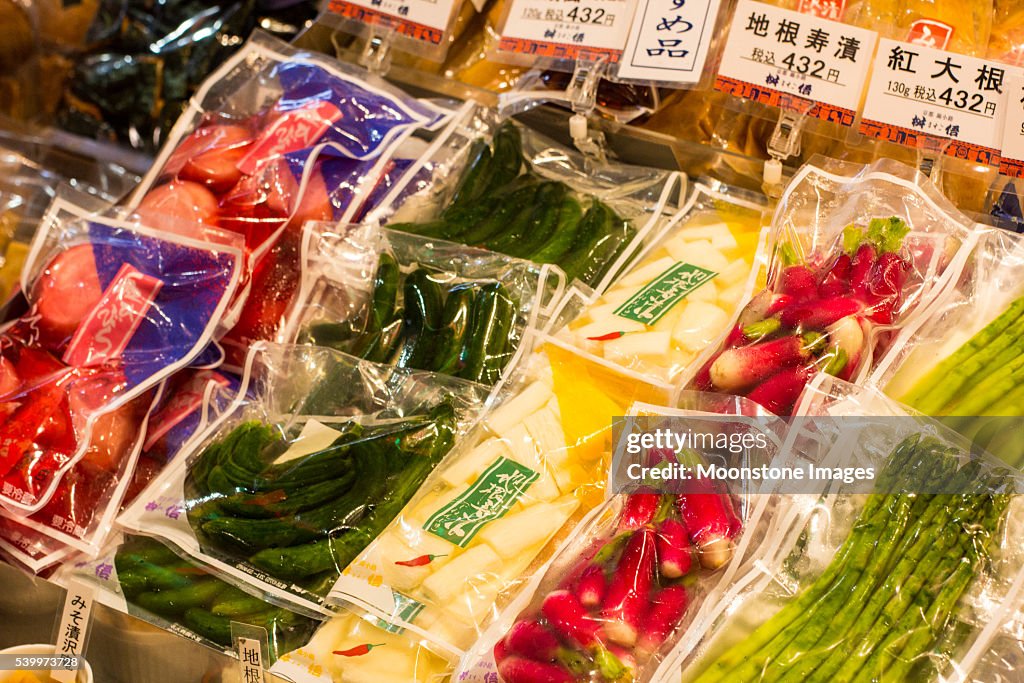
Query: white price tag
[
  {"x": 567, "y": 29},
  {"x": 1012, "y": 161},
  {"x": 250, "y": 660},
  {"x": 796, "y": 61},
  {"x": 669, "y": 40},
  {"x": 919, "y": 92},
  {"x": 73, "y": 627},
  {"x": 421, "y": 20}
]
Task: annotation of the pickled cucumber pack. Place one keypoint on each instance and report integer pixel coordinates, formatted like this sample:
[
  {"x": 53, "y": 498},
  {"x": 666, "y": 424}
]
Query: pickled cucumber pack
[
  {"x": 310, "y": 463},
  {"x": 396, "y": 298}
]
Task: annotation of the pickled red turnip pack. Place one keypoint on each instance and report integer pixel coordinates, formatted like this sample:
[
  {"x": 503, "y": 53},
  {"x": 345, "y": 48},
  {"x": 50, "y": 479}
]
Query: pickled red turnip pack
[
  {"x": 857, "y": 253},
  {"x": 115, "y": 307},
  {"x": 274, "y": 138}
]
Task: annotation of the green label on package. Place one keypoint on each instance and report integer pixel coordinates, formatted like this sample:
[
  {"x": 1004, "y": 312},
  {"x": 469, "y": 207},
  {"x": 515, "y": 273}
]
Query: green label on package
[
  {"x": 493, "y": 493},
  {"x": 652, "y": 302},
  {"x": 406, "y": 609}
]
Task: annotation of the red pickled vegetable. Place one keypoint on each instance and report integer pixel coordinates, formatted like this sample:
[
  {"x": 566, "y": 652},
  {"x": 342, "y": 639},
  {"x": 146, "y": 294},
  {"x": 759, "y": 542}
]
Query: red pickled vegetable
[
  {"x": 9, "y": 380},
  {"x": 175, "y": 205},
  {"x": 780, "y": 392},
  {"x": 315, "y": 202},
  {"x": 514, "y": 669},
  {"x": 777, "y": 303},
  {"x": 836, "y": 280},
  {"x": 860, "y": 270},
  {"x": 665, "y": 613},
  {"x": 673, "y": 548},
  {"x": 735, "y": 337},
  {"x": 531, "y": 639},
  {"x": 212, "y": 154},
  {"x": 797, "y": 282},
  {"x": 626, "y": 598},
  {"x": 570, "y": 619},
  {"x": 67, "y": 291},
  {"x": 500, "y": 651},
  {"x": 820, "y": 313},
  {"x": 591, "y": 587},
  {"x": 709, "y": 523},
  {"x": 638, "y": 510},
  {"x": 739, "y": 368},
  {"x": 886, "y": 287}
]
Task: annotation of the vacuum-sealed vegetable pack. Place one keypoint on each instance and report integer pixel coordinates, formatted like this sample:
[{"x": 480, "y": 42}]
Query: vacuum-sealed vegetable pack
[
  {"x": 513, "y": 490},
  {"x": 420, "y": 303},
  {"x": 659, "y": 318},
  {"x": 143, "y": 577},
  {"x": 510, "y": 190},
  {"x": 115, "y": 308},
  {"x": 273, "y": 138},
  {"x": 896, "y": 585},
  {"x": 311, "y": 462},
  {"x": 856, "y": 255}
]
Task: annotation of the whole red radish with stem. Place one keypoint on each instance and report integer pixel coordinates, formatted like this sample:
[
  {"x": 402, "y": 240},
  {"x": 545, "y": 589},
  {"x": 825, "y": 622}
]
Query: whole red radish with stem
[
  {"x": 740, "y": 368},
  {"x": 666, "y": 612},
  {"x": 628, "y": 588}
]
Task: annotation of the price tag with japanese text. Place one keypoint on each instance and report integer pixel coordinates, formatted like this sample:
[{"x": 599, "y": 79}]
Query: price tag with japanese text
[
  {"x": 669, "y": 40},
  {"x": 800, "y": 62},
  {"x": 423, "y": 22},
  {"x": 566, "y": 30},
  {"x": 1012, "y": 161},
  {"x": 919, "y": 92},
  {"x": 73, "y": 627}
]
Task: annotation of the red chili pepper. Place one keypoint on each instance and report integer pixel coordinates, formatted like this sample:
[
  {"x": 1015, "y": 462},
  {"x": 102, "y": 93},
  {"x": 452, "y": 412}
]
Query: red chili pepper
[
  {"x": 606, "y": 337},
  {"x": 358, "y": 650},
  {"x": 418, "y": 561}
]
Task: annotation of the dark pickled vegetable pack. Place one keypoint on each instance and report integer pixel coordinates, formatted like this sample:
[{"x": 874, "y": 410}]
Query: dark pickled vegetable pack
[
  {"x": 141, "y": 576},
  {"x": 317, "y": 454},
  {"x": 910, "y": 582},
  {"x": 507, "y": 189},
  {"x": 420, "y": 303},
  {"x": 857, "y": 254},
  {"x": 274, "y": 138},
  {"x": 115, "y": 308}
]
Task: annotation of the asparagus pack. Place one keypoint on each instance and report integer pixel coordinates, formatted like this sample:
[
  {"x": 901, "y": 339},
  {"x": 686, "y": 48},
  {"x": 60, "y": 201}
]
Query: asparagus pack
[
  {"x": 273, "y": 138},
  {"x": 414, "y": 302},
  {"x": 682, "y": 292},
  {"x": 856, "y": 256},
  {"x": 143, "y": 577},
  {"x": 900, "y": 584},
  {"x": 510, "y": 190},
  {"x": 515, "y": 489},
  {"x": 313, "y": 459}
]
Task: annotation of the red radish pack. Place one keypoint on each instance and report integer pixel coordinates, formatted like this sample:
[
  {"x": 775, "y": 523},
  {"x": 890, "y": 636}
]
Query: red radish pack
[
  {"x": 115, "y": 308},
  {"x": 856, "y": 255},
  {"x": 274, "y": 138}
]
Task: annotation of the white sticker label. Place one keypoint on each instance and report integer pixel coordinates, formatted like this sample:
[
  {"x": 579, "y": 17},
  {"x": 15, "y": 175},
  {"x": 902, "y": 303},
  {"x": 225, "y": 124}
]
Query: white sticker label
[
  {"x": 669, "y": 40},
  {"x": 1012, "y": 161},
  {"x": 315, "y": 436},
  {"x": 567, "y": 29},
  {"x": 919, "y": 95},
  {"x": 250, "y": 660},
  {"x": 796, "y": 61},
  {"x": 74, "y": 624},
  {"x": 422, "y": 20}
]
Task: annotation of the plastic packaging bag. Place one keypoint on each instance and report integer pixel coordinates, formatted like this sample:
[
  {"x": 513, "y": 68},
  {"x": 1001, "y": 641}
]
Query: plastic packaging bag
[
  {"x": 115, "y": 308},
  {"x": 894, "y": 585},
  {"x": 142, "y": 577},
  {"x": 619, "y": 594},
  {"x": 855, "y": 256},
  {"x": 522, "y": 195},
  {"x": 682, "y": 293},
  {"x": 274, "y": 138},
  {"x": 465, "y": 545},
  {"x": 397, "y": 298},
  {"x": 314, "y": 458}
]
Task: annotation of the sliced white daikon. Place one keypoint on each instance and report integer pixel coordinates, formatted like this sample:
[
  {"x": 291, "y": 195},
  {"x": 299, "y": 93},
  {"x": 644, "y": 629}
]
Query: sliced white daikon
[
  {"x": 698, "y": 326},
  {"x": 515, "y": 410},
  {"x": 643, "y": 345},
  {"x": 452, "y": 578},
  {"x": 513, "y": 534}
]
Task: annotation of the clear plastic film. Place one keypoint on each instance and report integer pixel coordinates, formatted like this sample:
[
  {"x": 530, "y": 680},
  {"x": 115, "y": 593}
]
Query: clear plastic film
[
  {"x": 513, "y": 491},
  {"x": 614, "y": 600},
  {"x": 115, "y": 308},
  {"x": 510, "y": 190},
  {"x": 141, "y": 576},
  {"x": 397, "y": 298},
  {"x": 272, "y": 139},
  {"x": 312, "y": 461},
  {"x": 682, "y": 292},
  {"x": 856, "y": 255},
  {"x": 896, "y": 585}
]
